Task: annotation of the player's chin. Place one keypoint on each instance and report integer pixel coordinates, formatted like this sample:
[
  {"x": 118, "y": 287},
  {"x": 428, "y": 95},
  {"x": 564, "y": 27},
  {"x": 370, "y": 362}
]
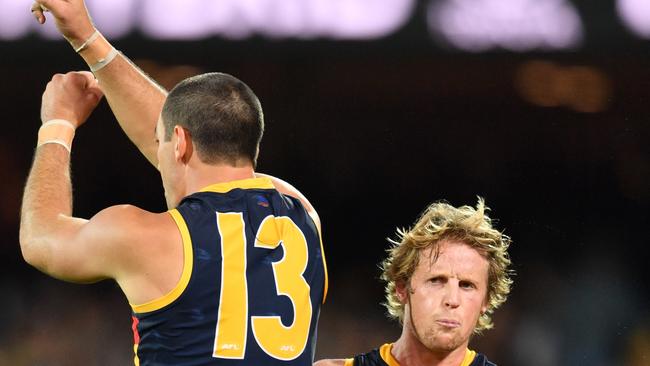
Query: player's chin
[{"x": 446, "y": 341}]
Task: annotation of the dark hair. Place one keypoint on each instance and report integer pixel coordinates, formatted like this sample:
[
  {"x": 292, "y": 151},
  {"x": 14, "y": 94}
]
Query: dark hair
[{"x": 221, "y": 113}]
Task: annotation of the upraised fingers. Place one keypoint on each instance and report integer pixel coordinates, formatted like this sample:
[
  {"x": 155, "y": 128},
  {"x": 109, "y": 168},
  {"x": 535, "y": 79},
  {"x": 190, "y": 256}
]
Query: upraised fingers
[
  {"x": 37, "y": 12},
  {"x": 91, "y": 85}
]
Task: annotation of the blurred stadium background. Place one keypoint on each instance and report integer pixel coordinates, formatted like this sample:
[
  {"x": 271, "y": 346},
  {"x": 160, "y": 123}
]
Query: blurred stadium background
[{"x": 375, "y": 109}]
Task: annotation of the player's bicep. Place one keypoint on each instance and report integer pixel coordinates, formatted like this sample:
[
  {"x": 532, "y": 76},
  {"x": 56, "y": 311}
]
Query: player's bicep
[{"x": 86, "y": 251}]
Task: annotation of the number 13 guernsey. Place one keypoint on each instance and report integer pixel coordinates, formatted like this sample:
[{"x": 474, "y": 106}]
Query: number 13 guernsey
[{"x": 253, "y": 280}]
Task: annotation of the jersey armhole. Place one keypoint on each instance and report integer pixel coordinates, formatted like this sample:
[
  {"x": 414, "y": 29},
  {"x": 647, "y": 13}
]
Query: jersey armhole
[
  {"x": 326, "y": 279},
  {"x": 188, "y": 261}
]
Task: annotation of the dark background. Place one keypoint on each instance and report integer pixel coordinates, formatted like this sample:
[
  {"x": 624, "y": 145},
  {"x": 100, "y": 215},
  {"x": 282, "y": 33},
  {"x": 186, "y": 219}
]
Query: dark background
[{"x": 372, "y": 132}]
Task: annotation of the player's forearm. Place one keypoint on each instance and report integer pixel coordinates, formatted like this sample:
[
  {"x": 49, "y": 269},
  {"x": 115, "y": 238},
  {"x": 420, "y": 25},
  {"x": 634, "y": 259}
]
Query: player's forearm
[
  {"x": 136, "y": 99},
  {"x": 46, "y": 201}
]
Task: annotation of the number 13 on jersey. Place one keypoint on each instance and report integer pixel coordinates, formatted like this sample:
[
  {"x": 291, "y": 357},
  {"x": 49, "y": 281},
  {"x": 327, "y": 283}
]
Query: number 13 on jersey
[{"x": 278, "y": 341}]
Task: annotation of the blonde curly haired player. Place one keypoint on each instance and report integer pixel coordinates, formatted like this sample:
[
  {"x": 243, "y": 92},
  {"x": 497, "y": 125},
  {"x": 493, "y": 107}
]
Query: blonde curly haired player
[
  {"x": 440, "y": 222},
  {"x": 444, "y": 277}
]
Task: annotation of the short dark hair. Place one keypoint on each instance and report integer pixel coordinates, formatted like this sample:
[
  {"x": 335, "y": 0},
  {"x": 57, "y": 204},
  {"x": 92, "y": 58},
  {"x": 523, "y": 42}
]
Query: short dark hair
[{"x": 221, "y": 113}]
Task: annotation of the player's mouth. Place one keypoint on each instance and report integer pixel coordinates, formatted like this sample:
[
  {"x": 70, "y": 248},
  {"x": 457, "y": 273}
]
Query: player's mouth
[{"x": 448, "y": 323}]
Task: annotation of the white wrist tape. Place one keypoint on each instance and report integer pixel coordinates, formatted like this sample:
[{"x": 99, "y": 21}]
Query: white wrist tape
[
  {"x": 56, "y": 131},
  {"x": 87, "y": 43},
  {"x": 105, "y": 61}
]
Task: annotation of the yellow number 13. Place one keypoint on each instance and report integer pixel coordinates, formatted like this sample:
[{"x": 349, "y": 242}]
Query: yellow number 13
[{"x": 279, "y": 341}]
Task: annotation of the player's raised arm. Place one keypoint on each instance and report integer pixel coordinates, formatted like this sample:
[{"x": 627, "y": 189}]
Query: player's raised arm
[
  {"x": 46, "y": 215},
  {"x": 51, "y": 239},
  {"x": 136, "y": 99}
]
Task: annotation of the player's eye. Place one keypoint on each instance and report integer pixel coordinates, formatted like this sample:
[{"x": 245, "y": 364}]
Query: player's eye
[{"x": 467, "y": 285}]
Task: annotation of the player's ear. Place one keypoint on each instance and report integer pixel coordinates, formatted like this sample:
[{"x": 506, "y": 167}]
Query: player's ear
[
  {"x": 401, "y": 290},
  {"x": 183, "y": 147},
  {"x": 484, "y": 308}
]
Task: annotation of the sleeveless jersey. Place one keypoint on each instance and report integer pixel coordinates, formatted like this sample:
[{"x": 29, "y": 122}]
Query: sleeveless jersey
[
  {"x": 383, "y": 357},
  {"x": 253, "y": 280}
]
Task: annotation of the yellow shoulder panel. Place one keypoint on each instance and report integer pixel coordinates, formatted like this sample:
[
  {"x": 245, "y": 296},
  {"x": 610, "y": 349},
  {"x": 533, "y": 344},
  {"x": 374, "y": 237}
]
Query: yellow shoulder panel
[{"x": 253, "y": 183}]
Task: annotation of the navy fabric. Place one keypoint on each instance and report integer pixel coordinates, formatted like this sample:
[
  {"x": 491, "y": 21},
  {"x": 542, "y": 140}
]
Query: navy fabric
[{"x": 183, "y": 332}]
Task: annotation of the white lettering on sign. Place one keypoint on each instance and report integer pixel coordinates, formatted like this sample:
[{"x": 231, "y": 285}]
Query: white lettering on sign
[
  {"x": 517, "y": 25},
  {"x": 635, "y": 14},
  {"x": 234, "y": 19}
]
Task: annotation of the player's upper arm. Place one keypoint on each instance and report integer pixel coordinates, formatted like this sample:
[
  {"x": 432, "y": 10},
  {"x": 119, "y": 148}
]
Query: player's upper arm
[
  {"x": 289, "y": 190},
  {"x": 87, "y": 251}
]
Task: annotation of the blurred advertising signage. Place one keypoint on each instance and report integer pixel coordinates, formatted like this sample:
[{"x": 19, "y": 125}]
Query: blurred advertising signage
[
  {"x": 516, "y": 25},
  {"x": 230, "y": 19},
  {"x": 635, "y": 15},
  {"x": 469, "y": 25}
]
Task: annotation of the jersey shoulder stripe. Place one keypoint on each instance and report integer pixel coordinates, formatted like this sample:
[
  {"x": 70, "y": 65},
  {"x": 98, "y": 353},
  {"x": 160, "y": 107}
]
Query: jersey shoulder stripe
[{"x": 177, "y": 291}]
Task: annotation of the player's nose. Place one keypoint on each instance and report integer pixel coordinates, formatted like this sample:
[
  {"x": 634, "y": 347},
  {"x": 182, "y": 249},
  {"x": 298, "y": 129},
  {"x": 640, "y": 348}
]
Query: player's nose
[{"x": 451, "y": 297}]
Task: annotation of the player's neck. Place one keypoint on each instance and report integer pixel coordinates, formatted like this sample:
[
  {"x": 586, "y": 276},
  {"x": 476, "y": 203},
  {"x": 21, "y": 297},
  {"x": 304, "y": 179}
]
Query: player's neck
[
  {"x": 206, "y": 175},
  {"x": 409, "y": 351}
]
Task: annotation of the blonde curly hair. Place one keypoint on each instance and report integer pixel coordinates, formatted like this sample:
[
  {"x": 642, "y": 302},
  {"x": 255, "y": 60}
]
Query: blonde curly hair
[{"x": 441, "y": 221}]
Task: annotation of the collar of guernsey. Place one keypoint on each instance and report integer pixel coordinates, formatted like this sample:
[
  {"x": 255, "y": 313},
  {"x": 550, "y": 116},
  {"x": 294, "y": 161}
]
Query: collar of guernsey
[
  {"x": 253, "y": 183},
  {"x": 159, "y": 303},
  {"x": 385, "y": 352}
]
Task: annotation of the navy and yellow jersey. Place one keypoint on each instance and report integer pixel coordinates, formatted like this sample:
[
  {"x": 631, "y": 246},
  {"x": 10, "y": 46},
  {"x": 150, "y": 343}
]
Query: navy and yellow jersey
[
  {"x": 253, "y": 281},
  {"x": 383, "y": 357}
]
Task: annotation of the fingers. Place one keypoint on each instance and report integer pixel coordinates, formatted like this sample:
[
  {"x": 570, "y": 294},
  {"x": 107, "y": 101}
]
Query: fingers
[
  {"x": 71, "y": 96},
  {"x": 40, "y": 7},
  {"x": 90, "y": 84},
  {"x": 95, "y": 92},
  {"x": 83, "y": 81},
  {"x": 85, "y": 77},
  {"x": 37, "y": 12},
  {"x": 46, "y": 5}
]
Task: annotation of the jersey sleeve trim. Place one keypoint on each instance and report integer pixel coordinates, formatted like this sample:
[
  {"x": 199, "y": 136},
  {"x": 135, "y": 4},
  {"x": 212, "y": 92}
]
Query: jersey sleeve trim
[
  {"x": 188, "y": 261},
  {"x": 253, "y": 183},
  {"x": 469, "y": 358},
  {"x": 322, "y": 253},
  {"x": 386, "y": 355}
]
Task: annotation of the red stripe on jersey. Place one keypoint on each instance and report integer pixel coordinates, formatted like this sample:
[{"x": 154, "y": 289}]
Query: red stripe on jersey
[{"x": 136, "y": 335}]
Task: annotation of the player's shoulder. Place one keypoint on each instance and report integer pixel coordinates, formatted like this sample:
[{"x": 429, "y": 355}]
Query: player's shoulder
[
  {"x": 286, "y": 188},
  {"x": 127, "y": 216},
  {"x": 129, "y": 223},
  {"x": 481, "y": 360},
  {"x": 371, "y": 358},
  {"x": 282, "y": 185},
  {"x": 136, "y": 236},
  {"x": 330, "y": 362}
]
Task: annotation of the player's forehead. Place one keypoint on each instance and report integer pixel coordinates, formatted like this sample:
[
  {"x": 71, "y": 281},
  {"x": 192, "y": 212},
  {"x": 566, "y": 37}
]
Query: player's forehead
[{"x": 452, "y": 256}]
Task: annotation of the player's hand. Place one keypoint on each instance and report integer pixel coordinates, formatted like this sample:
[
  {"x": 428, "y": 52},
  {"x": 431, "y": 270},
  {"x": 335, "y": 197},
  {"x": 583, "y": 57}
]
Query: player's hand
[
  {"x": 71, "y": 16},
  {"x": 72, "y": 97}
]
